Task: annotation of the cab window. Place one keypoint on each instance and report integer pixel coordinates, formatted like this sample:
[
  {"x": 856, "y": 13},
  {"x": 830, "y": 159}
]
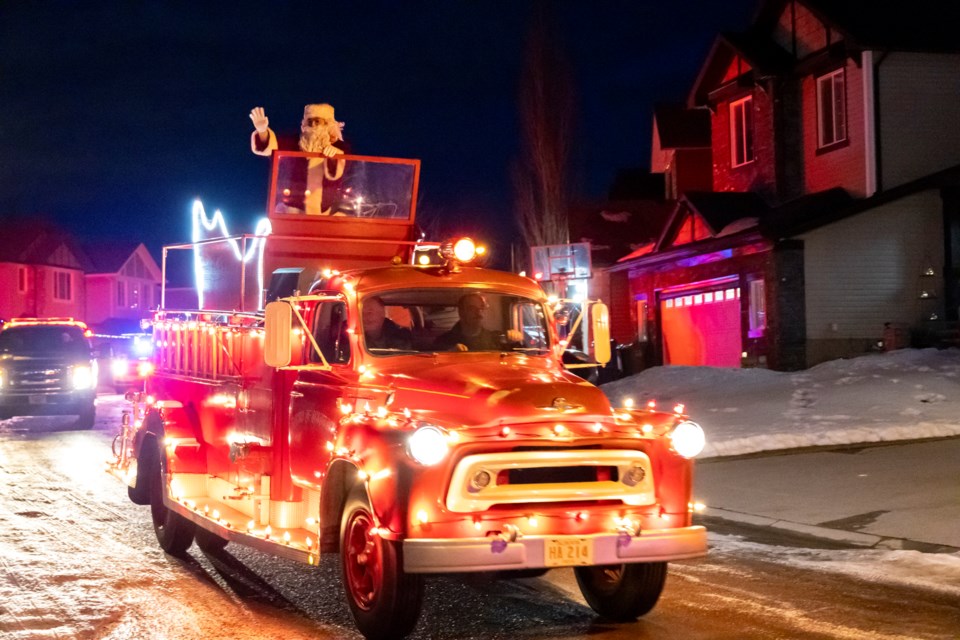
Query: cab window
[{"x": 330, "y": 331}]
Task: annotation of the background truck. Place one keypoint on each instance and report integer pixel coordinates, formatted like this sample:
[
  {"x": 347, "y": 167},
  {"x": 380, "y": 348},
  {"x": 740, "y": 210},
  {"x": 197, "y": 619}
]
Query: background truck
[{"x": 279, "y": 416}]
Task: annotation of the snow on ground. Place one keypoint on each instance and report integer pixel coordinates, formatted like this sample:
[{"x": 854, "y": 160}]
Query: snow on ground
[{"x": 899, "y": 395}]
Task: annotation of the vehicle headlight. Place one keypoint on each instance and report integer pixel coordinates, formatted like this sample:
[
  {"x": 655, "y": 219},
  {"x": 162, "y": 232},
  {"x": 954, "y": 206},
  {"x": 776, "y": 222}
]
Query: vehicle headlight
[
  {"x": 143, "y": 346},
  {"x": 118, "y": 367},
  {"x": 83, "y": 377},
  {"x": 427, "y": 445},
  {"x": 687, "y": 439}
]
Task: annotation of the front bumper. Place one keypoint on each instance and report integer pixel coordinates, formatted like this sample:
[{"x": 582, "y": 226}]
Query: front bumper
[
  {"x": 49, "y": 403},
  {"x": 433, "y": 555}
]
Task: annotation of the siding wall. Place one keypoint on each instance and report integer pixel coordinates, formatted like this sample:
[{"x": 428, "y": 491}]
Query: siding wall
[
  {"x": 840, "y": 166},
  {"x": 101, "y": 298},
  {"x": 865, "y": 271},
  {"x": 918, "y": 135},
  {"x": 12, "y": 302}
]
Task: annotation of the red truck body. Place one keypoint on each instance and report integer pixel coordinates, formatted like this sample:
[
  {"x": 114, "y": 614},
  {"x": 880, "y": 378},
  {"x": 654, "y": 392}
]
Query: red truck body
[{"x": 282, "y": 426}]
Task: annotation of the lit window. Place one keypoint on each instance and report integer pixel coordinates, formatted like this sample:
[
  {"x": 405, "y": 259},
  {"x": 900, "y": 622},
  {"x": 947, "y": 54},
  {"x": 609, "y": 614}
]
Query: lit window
[
  {"x": 758, "y": 308},
  {"x": 62, "y": 286},
  {"x": 831, "y": 109},
  {"x": 741, "y": 131}
]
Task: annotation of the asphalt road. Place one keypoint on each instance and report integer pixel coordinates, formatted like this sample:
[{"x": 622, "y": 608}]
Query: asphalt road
[{"x": 78, "y": 560}]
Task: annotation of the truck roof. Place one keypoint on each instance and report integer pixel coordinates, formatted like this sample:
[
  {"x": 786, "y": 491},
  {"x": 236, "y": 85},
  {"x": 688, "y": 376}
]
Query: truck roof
[{"x": 378, "y": 279}]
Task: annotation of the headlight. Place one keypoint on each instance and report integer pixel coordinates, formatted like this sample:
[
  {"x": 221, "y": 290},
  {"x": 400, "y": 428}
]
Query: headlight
[
  {"x": 142, "y": 346},
  {"x": 83, "y": 377},
  {"x": 687, "y": 439},
  {"x": 3, "y": 378},
  {"x": 118, "y": 367},
  {"x": 427, "y": 445}
]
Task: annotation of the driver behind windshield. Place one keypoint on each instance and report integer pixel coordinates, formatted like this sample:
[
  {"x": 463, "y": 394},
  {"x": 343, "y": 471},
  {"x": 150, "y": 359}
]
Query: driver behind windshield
[
  {"x": 469, "y": 334},
  {"x": 379, "y": 331}
]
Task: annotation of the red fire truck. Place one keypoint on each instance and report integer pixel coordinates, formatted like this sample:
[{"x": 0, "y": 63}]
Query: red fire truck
[{"x": 328, "y": 391}]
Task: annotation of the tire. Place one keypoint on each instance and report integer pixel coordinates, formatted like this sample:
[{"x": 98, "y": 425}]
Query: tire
[
  {"x": 384, "y": 600},
  {"x": 87, "y": 417},
  {"x": 622, "y": 592},
  {"x": 140, "y": 494},
  {"x": 174, "y": 532},
  {"x": 208, "y": 541}
]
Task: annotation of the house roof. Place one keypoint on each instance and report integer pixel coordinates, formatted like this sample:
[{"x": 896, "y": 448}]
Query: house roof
[
  {"x": 914, "y": 25},
  {"x": 109, "y": 257},
  {"x": 899, "y": 25},
  {"x": 680, "y": 127},
  {"x": 717, "y": 209},
  {"x": 38, "y": 242},
  {"x": 757, "y": 48},
  {"x": 789, "y": 220}
]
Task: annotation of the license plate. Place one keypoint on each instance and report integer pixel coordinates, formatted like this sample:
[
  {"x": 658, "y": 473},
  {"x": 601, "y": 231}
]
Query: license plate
[
  {"x": 565, "y": 552},
  {"x": 38, "y": 399}
]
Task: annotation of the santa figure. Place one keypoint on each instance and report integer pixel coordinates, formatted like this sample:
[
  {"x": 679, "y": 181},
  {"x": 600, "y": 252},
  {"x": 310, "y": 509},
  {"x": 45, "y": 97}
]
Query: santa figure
[{"x": 319, "y": 133}]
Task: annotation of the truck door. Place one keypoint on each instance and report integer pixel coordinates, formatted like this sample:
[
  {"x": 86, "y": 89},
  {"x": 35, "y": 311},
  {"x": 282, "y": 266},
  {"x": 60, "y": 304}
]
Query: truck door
[{"x": 314, "y": 412}]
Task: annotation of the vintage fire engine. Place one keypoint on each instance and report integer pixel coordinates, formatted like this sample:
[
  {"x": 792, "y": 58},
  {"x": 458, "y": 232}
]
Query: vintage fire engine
[{"x": 323, "y": 396}]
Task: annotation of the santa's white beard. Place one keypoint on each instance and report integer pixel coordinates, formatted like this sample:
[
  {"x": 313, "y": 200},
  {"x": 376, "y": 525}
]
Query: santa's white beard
[{"x": 314, "y": 140}]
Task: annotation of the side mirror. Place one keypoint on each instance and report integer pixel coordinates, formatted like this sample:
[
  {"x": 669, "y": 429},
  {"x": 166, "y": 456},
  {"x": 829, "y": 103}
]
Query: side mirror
[
  {"x": 278, "y": 329},
  {"x": 600, "y": 326}
]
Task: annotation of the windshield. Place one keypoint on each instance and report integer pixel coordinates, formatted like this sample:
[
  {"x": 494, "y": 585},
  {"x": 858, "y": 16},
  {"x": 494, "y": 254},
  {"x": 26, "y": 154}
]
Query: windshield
[
  {"x": 44, "y": 339},
  {"x": 430, "y": 320}
]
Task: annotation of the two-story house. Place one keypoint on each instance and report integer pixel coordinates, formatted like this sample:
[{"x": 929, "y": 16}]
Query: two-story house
[
  {"x": 41, "y": 272},
  {"x": 834, "y": 207},
  {"x": 123, "y": 284}
]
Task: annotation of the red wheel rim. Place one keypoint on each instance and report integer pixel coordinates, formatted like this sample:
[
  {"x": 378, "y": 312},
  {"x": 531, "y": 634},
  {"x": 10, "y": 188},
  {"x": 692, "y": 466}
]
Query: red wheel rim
[{"x": 364, "y": 567}]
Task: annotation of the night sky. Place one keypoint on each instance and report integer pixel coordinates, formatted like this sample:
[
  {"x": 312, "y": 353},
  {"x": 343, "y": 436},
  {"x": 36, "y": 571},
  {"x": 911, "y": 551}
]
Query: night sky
[{"x": 114, "y": 116}]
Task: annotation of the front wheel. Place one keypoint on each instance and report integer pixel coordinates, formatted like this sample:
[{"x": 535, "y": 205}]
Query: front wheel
[
  {"x": 87, "y": 417},
  {"x": 622, "y": 592},
  {"x": 174, "y": 532},
  {"x": 384, "y": 600}
]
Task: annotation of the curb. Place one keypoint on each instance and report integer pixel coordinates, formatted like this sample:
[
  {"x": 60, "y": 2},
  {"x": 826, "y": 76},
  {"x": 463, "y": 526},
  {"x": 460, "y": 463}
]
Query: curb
[{"x": 835, "y": 535}]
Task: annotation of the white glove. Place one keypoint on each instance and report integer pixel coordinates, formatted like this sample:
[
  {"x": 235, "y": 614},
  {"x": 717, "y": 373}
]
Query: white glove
[
  {"x": 331, "y": 151},
  {"x": 260, "y": 121}
]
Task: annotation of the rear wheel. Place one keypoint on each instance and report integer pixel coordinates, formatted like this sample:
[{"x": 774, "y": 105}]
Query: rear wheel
[
  {"x": 174, "y": 532},
  {"x": 384, "y": 600},
  {"x": 622, "y": 592}
]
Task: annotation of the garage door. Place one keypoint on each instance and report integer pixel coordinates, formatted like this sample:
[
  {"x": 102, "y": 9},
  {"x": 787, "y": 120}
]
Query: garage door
[{"x": 702, "y": 328}]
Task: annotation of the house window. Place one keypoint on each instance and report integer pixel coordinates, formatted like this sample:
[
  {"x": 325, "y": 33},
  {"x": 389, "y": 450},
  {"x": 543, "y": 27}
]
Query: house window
[
  {"x": 121, "y": 295},
  {"x": 62, "y": 286},
  {"x": 831, "y": 109},
  {"x": 741, "y": 131},
  {"x": 22, "y": 282},
  {"x": 758, "y": 309}
]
